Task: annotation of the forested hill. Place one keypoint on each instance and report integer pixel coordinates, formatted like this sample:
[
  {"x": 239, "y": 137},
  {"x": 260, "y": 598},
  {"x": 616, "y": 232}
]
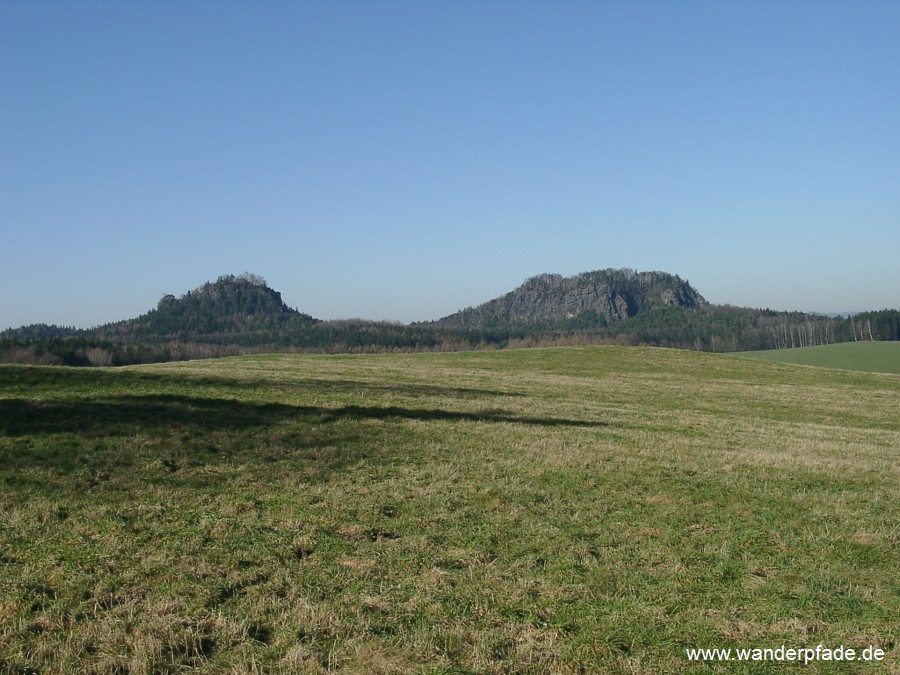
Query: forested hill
[
  {"x": 231, "y": 308},
  {"x": 594, "y": 299}
]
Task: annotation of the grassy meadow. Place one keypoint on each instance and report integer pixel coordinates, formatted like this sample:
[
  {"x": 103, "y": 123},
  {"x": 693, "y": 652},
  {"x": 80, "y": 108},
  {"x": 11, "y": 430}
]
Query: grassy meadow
[
  {"x": 591, "y": 509},
  {"x": 872, "y": 357}
]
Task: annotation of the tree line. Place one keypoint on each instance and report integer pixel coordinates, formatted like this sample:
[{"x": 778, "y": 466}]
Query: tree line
[
  {"x": 241, "y": 315},
  {"x": 707, "y": 328}
]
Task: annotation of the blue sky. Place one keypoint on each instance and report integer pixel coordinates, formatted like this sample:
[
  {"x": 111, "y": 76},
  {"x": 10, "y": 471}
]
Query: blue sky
[{"x": 402, "y": 160}]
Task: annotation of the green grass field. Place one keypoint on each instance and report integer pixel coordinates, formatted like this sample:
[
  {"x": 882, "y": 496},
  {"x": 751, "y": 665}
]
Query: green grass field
[
  {"x": 872, "y": 357},
  {"x": 551, "y": 510}
]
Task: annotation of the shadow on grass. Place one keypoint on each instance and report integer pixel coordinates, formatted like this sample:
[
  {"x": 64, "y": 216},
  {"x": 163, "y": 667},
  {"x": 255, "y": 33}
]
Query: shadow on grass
[
  {"x": 154, "y": 413},
  {"x": 148, "y": 413},
  {"x": 345, "y": 386},
  {"x": 99, "y": 421},
  {"x": 30, "y": 379},
  {"x": 375, "y": 412},
  {"x": 93, "y": 439}
]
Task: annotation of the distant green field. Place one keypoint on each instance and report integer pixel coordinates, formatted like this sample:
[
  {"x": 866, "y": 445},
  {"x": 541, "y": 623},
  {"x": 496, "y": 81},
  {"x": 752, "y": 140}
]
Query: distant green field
[
  {"x": 872, "y": 357},
  {"x": 571, "y": 510}
]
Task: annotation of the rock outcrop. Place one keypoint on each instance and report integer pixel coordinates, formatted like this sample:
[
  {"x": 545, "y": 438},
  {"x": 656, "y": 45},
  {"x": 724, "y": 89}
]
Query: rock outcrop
[{"x": 602, "y": 297}]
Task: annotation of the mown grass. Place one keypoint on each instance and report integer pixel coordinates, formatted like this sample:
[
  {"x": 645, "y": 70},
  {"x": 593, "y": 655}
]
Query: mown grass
[
  {"x": 872, "y": 357},
  {"x": 558, "y": 510}
]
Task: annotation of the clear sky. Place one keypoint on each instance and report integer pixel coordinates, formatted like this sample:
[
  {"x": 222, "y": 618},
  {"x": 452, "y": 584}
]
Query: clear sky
[{"x": 403, "y": 160}]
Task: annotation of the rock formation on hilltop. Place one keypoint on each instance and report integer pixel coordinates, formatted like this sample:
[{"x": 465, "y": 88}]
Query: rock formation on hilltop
[
  {"x": 602, "y": 297},
  {"x": 231, "y": 306}
]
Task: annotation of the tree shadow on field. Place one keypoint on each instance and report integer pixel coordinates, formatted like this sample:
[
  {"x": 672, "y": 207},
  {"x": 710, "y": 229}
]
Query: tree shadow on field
[
  {"x": 349, "y": 386},
  {"x": 97, "y": 422},
  {"x": 95, "y": 438},
  {"x": 27, "y": 380},
  {"x": 123, "y": 415},
  {"x": 376, "y": 412},
  {"x": 156, "y": 413},
  {"x": 15, "y": 378},
  {"x": 194, "y": 431}
]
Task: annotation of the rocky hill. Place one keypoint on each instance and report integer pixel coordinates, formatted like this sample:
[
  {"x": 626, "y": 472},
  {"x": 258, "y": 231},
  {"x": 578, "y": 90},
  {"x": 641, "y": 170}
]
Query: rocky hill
[
  {"x": 598, "y": 298},
  {"x": 231, "y": 306}
]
